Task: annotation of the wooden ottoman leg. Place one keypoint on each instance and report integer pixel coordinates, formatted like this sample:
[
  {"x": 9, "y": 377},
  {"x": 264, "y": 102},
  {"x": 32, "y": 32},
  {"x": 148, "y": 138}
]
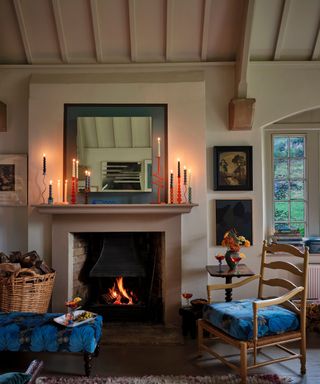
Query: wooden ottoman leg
[
  {"x": 97, "y": 350},
  {"x": 87, "y": 362}
]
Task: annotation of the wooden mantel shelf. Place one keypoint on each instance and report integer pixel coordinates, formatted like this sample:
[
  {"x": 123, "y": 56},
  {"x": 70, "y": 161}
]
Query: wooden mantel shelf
[{"x": 154, "y": 209}]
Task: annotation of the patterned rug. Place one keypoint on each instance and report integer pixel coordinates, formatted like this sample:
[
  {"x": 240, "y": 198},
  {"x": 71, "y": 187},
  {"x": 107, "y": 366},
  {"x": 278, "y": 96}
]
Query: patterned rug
[{"x": 227, "y": 379}]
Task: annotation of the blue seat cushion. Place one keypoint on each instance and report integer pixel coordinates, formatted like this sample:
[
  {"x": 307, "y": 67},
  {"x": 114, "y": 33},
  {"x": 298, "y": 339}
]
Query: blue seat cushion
[
  {"x": 235, "y": 319},
  {"x": 25, "y": 331},
  {"x": 15, "y": 378}
]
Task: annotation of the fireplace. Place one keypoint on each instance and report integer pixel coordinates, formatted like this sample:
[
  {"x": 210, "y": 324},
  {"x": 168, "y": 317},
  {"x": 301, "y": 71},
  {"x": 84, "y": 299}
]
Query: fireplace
[
  {"x": 68, "y": 220},
  {"x": 119, "y": 274}
]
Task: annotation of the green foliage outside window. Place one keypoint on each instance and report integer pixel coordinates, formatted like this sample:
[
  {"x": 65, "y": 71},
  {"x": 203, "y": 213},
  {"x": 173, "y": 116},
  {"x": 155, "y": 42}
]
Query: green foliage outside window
[{"x": 289, "y": 205}]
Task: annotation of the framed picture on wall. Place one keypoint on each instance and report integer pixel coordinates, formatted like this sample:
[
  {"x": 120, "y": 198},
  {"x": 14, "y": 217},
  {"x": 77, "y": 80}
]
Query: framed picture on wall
[
  {"x": 13, "y": 180},
  {"x": 232, "y": 167},
  {"x": 233, "y": 214}
]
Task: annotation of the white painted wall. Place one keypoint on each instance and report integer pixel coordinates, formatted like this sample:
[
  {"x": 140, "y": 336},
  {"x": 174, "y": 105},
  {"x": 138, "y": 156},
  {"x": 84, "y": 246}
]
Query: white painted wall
[{"x": 280, "y": 90}]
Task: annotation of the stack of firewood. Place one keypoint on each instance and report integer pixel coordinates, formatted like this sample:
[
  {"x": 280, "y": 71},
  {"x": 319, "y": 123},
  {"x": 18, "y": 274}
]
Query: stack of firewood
[{"x": 17, "y": 261}]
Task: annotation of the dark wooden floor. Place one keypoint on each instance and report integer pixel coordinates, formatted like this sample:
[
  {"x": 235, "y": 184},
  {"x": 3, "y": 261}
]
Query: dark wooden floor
[{"x": 178, "y": 359}]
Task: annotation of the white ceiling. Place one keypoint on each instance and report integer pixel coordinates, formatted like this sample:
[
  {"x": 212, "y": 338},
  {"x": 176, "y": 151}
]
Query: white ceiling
[{"x": 157, "y": 31}]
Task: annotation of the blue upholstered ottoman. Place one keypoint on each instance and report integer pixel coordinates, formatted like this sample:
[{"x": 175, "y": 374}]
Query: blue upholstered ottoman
[{"x": 25, "y": 331}]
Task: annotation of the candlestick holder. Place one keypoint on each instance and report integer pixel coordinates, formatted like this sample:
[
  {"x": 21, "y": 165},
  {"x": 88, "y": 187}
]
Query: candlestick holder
[
  {"x": 44, "y": 188},
  {"x": 171, "y": 195},
  {"x": 50, "y": 198},
  {"x": 179, "y": 198},
  {"x": 73, "y": 190},
  {"x": 158, "y": 181},
  {"x": 185, "y": 193},
  {"x": 190, "y": 195}
]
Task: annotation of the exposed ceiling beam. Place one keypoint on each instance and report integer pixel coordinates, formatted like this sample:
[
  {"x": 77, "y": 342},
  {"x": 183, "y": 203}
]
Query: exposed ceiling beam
[
  {"x": 243, "y": 54},
  {"x": 60, "y": 30},
  {"x": 169, "y": 32},
  {"x": 205, "y": 29},
  {"x": 316, "y": 47},
  {"x": 96, "y": 30},
  {"x": 282, "y": 29},
  {"x": 23, "y": 30},
  {"x": 132, "y": 25}
]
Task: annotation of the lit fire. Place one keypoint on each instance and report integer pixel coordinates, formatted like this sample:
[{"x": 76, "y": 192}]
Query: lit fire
[{"x": 118, "y": 295}]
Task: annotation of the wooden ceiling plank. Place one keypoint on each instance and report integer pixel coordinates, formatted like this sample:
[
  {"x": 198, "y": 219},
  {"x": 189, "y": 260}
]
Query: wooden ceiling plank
[
  {"x": 243, "y": 54},
  {"x": 316, "y": 47},
  {"x": 23, "y": 30},
  {"x": 132, "y": 29},
  {"x": 205, "y": 29},
  {"x": 169, "y": 29},
  {"x": 60, "y": 31},
  {"x": 282, "y": 29},
  {"x": 96, "y": 30}
]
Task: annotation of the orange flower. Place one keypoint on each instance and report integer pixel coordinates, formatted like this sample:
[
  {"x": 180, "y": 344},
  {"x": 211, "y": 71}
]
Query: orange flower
[{"x": 247, "y": 243}]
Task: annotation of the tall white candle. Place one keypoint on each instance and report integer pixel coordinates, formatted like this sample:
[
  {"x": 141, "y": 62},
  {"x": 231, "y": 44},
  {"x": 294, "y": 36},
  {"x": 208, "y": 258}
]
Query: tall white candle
[
  {"x": 65, "y": 197},
  {"x": 159, "y": 152},
  {"x": 73, "y": 167},
  {"x": 59, "y": 191},
  {"x": 77, "y": 169}
]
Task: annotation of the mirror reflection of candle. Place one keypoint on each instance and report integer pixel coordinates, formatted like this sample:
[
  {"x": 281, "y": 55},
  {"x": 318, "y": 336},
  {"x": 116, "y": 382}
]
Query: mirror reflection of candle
[
  {"x": 65, "y": 198},
  {"x": 77, "y": 169},
  {"x": 59, "y": 191},
  {"x": 189, "y": 177},
  {"x": 73, "y": 167},
  {"x": 158, "y": 147}
]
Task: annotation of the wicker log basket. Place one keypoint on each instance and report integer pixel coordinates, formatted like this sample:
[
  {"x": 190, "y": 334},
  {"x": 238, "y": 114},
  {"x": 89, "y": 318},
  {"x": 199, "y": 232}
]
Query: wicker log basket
[{"x": 26, "y": 291}]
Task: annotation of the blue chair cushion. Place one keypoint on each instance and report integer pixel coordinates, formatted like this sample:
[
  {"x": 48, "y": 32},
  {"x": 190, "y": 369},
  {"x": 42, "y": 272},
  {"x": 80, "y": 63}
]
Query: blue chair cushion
[
  {"x": 25, "y": 331},
  {"x": 14, "y": 378},
  {"x": 235, "y": 319}
]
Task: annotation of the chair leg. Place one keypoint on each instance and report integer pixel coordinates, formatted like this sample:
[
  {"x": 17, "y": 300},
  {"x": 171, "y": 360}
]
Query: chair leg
[
  {"x": 243, "y": 362},
  {"x": 200, "y": 337},
  {"x": 303, "y": 354}
]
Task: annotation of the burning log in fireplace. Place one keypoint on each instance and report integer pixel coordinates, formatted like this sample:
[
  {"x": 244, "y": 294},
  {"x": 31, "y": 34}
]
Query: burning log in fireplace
[{"x": 119, "y": 295}]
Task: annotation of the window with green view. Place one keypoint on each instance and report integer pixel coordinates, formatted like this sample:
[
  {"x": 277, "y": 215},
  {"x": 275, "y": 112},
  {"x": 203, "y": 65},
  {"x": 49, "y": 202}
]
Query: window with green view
[{"x": 289, "y": 182}]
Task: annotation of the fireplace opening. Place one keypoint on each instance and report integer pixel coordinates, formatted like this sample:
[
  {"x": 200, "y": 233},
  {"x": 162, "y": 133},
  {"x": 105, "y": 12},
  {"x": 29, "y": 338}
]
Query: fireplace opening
[{"x": 119, "y": 274}]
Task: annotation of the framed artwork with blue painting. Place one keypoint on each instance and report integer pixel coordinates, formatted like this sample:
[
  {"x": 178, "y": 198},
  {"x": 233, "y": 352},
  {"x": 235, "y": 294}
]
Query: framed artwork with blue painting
[{"x": 233, "y": 214}]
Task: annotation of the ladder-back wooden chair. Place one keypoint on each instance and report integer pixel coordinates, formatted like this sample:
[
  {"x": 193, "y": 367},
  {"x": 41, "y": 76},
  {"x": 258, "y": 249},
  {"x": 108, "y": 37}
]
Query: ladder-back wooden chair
[{"x": 253, "y": 324}]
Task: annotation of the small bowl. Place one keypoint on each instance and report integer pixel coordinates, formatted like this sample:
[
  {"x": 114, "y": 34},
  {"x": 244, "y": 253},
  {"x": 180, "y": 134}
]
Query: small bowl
[{"x": 198, "y": 303}]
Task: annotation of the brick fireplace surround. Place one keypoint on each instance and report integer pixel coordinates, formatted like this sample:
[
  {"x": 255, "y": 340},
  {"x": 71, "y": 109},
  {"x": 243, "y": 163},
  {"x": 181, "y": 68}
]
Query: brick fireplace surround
[{"x": 70, "y": 219}]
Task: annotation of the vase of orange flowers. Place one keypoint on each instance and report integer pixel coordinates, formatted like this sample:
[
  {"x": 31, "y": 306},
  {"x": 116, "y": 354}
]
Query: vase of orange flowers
[{"x": 234, "y": 242}]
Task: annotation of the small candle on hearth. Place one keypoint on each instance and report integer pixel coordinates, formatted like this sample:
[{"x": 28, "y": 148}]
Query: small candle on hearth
[
  {"x": 179, "y": 171},
  {"x": 65, "y": 197},
  {"x": 77, "y": 169},
  {"x": 171, "y": 178},
  {"x": 159, "y": 147},
  {"x": 59, "y": 191},
  {"x": 184, "y": 175},
  {"x": 73, "y": 167},
  {"x": 44, "y": 164},
  {"x": 86, "y": 180}
]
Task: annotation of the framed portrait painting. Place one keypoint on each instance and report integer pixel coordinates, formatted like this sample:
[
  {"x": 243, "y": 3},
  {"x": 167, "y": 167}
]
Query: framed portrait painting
[
  {"x": 233, "y": 214},
  {"x": 232, "y": 167},
  {"x": 13, "y": 180}
]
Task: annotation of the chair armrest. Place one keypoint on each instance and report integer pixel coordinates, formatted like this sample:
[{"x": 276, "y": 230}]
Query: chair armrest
[
  {"x": 216, "y": 287},
  {"x": 277, "y": 300},
  {"x": 34, "y": 369}
]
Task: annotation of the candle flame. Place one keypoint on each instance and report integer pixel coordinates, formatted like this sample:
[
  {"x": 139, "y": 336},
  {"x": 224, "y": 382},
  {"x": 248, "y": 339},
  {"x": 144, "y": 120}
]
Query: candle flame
[
  {"x": 50, "y": 182},
  {"x": 159, "y": 139},
  {"x": 44, "y": 155},
  {"x": 171, "y": 171}
]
